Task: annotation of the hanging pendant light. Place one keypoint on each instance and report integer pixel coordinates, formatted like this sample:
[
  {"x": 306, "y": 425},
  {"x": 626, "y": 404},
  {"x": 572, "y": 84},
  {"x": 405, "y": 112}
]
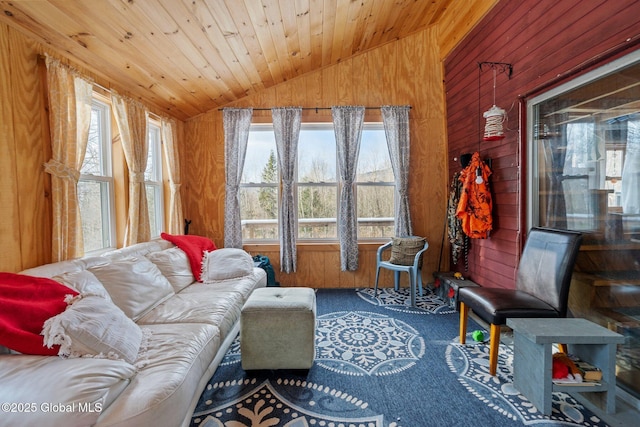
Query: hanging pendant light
[
  {"x": 493, "y": 128},
  {"x": 479, "y": 179},
  {"x": 494, "y": 116}
]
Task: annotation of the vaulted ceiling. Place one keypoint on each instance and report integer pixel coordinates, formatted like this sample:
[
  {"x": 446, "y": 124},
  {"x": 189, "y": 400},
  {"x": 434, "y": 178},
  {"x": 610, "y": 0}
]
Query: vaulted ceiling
[{"x": 190, "y": 56}]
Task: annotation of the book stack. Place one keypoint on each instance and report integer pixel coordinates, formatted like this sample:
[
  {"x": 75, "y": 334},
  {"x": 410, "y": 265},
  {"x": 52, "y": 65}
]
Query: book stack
[
  {"x": 588, "y": 371},
  {"x": 579, "y": 372}
]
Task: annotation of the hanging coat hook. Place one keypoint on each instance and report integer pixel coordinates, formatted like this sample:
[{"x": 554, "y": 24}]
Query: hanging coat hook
[{"x": 503, "y": 67}]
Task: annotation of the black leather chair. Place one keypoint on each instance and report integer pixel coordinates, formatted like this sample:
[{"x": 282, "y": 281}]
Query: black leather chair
[{"x": 542, "y": 286}]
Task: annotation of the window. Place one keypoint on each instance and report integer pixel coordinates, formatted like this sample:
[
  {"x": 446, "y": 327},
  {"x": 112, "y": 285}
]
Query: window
[
  {"x": 317, "y": 182},
  {"x": 153, "y": 180},
  {"x": 317, "y": 185},
  {"x": 585, "y": 153},
  {"x": 259, "y": 186},
  {"x": 375, "y": 185},
  {"x": 584, "y": 174},
  {"x": 95, "y": 187}
]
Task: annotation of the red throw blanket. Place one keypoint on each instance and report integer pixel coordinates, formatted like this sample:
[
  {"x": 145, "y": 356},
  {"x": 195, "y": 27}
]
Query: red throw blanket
[
  {"x": 194, "y": 247},
  {"x": 26, "y": 302}
]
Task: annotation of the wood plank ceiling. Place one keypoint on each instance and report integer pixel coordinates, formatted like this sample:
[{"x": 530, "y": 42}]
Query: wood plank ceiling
[{"x": 187, "y": 57}]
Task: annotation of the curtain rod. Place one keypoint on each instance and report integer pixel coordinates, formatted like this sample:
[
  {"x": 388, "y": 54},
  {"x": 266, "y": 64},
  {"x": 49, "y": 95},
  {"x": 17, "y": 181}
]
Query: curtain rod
[
  {"x": 95, "y": 84},
  {"x": 305, "y": 108},
  {"x": 43, "y": 58}
]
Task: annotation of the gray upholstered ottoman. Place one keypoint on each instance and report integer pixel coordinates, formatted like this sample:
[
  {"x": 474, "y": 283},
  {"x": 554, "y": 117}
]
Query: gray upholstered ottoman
[{"x": 278, "y": 329}]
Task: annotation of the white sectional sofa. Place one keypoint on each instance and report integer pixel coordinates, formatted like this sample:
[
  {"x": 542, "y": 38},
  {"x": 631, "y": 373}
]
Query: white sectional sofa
[{"x": 188, "y": 327}]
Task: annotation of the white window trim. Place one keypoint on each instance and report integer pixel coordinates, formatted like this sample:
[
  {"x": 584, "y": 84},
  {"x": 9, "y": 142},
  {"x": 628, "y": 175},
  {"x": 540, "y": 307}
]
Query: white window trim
[
  {"x": 108, "y": 237},
  {"x": 157, "y": 184}
]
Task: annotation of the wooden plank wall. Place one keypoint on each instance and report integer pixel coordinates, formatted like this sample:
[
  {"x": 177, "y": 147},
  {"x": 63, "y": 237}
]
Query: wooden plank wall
[
  {"x": 25, "y": 207},
  {"x": 542, "y": 40},
  {"x": 9, "y": 211},
  {"x": 24, "y": 237},
  {"x": 408, "y": 71}
]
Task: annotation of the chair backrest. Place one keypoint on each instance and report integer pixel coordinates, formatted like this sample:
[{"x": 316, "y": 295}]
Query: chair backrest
[{"x": 546, "y": 265}]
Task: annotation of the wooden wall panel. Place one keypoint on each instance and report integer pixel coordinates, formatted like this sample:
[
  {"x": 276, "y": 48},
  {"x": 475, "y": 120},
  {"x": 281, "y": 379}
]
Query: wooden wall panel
[
  {"x": 457, "y": 21},
  {"x": 10, "y": 232},
  {"x": 408, "y": 71},
  {"x": 204, "y": 183},
  {"x": 576, "y": 36},
  {"x": 32, "y": 149}
]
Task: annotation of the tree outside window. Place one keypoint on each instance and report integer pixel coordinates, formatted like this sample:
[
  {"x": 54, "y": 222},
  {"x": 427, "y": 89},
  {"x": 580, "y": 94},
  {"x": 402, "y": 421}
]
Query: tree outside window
[
  {"x": 317, "y": 185},
  {"x": 95, "y": 187}
]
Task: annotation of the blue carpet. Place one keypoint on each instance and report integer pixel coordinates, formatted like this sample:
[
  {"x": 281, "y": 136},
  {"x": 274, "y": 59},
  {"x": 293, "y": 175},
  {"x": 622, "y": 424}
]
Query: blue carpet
[{"x": 381, "y": 362}]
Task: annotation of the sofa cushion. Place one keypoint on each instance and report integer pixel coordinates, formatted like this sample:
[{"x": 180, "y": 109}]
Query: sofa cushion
[
  {"x": 92, "y": 326},
  {"x": 135, "y": 285},
  {"x": 84, "y": 282},
  {"x": 179, "y": 356},
  {"x": 26, "y": 302},
  {"x": 226, "y": 263},
  {"x": 220, "y": 309},
  {"x": 55, "y": 268},
  {"x": 241, "y": 285},
  {"x": 174, "y": 265},
  {"x": 138, "y": 249},
  {"x": 195, "y": 248},
  {"x": 42, "y": 382}
]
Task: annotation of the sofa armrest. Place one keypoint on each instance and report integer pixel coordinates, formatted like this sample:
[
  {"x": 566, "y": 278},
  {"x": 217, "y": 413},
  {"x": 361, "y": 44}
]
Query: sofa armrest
[{"x": 49, "y": 390}]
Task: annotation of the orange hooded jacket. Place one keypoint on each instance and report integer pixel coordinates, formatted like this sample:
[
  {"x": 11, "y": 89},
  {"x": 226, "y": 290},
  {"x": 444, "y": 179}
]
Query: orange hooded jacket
[{"x": 474, "y": 208}]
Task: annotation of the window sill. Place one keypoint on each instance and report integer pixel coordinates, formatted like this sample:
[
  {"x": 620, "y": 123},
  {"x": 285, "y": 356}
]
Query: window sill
[{"x": 310, "y": 246}]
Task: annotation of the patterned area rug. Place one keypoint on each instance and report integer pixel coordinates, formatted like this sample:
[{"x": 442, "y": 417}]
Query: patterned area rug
[
  {"x": 400, "y": 300},
  {"x": 471, "y": 363},
  {"x": 360, "y": 343},
  {"x": 283, "y": 402},
  {"x": 380, "y": 362}
]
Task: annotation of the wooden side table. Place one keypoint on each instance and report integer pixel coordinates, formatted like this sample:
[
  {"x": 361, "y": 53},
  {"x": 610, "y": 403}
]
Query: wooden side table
[{"x": 533, "y": 341}]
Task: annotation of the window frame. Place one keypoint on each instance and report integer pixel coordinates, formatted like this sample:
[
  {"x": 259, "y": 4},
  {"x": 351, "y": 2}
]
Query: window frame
[
  {"x": 533, "y": 177},
  {"x": 154, "y": 146},
  {"x": 106, "y": 179},
  {"x": 263, "y": 127},
  {"x": 300, "y": 185},
  {"x": 378, "y": 126},
  {"x": 337, "y": 184}
]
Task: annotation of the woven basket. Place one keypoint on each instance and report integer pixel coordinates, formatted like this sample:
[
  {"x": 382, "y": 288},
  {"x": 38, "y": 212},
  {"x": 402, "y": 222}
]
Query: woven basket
[{"x": 404, "y": 250}]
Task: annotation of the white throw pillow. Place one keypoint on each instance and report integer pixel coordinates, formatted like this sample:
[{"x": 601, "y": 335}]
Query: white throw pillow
[
  {"x": 226, "y": 263},
  {"x": 174, "y": 265},
  {"x": 85, "y": 282},
  {"x": 135, "y": 285},
  {"x": 92, "y": 326}
]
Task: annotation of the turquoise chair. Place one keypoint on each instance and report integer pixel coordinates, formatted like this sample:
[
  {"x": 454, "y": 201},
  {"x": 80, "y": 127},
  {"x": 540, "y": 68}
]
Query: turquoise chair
[{"x": 414, "y": 270}]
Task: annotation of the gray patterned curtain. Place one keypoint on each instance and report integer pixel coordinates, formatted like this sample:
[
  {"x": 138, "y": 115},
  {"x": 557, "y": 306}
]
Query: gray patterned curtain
[
  {"x": 396, "y": 129},
  {"x": 286, "y": 126},
  {"x": 237, "y": 122},
  {"x": 347, "y": 124}
]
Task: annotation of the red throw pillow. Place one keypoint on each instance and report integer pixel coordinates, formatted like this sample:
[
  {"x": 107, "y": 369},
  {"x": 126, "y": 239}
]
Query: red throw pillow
[
  {"x": 26, "y": 302},
  {"x": 194, "y": 247}
]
